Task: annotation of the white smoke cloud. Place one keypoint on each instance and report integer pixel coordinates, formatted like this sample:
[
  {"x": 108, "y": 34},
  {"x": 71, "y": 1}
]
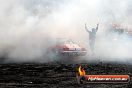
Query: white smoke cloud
[{"x": 28, "y": 27}]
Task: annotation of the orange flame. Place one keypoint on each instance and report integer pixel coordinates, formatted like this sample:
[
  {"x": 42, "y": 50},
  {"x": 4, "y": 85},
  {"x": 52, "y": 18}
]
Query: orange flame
[{"x": 81, "y": 71}]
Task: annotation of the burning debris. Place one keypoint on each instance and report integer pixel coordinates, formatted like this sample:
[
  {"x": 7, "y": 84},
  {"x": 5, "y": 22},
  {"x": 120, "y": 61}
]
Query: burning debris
[
  {"x": 80, "y": 75},
  {"x": 81, "y": 71}
]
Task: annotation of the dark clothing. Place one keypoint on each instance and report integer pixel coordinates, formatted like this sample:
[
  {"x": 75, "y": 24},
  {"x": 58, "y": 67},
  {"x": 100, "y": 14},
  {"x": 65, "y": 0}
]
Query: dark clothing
[{"x": 92, "y": 37}]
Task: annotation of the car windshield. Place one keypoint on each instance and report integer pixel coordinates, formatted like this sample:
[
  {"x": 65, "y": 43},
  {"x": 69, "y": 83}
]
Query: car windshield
[{"x": 65, "y": 41}]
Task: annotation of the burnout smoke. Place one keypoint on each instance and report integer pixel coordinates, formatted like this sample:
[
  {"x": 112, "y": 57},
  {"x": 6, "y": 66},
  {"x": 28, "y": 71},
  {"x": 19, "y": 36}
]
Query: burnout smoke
[{"x": 29, "y": 27}]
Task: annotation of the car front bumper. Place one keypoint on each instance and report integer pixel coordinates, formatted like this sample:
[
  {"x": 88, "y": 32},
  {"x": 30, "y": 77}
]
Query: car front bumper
[{"x": 74, "y": 53}]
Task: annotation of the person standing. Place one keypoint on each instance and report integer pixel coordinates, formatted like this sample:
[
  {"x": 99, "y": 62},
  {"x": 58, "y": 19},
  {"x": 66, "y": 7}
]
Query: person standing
[{"x": 92, "y": 36}]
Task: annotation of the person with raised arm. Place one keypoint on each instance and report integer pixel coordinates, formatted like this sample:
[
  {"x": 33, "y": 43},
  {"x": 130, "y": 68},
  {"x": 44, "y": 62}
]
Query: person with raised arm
[{"x": 92, "y": 36}]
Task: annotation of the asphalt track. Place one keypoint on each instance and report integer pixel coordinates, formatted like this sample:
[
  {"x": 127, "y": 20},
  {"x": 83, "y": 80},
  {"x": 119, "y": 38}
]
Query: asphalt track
[{"x": 57, "y": 75}]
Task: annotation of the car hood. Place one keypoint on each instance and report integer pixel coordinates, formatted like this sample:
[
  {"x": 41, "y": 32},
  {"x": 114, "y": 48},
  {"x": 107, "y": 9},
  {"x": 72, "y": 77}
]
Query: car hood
[{"x": 72, "y": 46}]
